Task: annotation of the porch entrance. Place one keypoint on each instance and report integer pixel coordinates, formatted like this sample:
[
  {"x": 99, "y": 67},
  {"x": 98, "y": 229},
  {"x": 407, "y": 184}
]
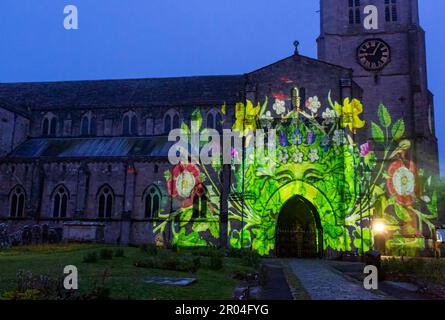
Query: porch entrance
[{"x": 299, "y": 233}]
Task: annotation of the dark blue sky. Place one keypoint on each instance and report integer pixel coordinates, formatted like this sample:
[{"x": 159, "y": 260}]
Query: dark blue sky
[{"x": 159, "y": 38}]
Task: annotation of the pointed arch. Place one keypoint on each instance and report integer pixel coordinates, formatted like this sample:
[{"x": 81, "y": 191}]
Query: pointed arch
[
  {"x": 88, "y": 124},
  {"x": 60, "y": 197},
  {"x": 49, "y": 124},
  {"x": 17, "y": 198},
  {"x": 152, "y": 201},
  {"x": 171, "y": 121},
  {"x": 130, "y": 124},
  {"x": 105, "y": 199}
]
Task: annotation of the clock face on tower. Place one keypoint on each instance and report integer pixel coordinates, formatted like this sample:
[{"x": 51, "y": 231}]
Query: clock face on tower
[{"x": 373, "y": 54}]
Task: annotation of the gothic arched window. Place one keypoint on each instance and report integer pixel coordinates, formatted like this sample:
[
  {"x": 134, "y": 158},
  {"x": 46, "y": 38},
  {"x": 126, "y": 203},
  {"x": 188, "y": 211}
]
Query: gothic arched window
[
  {"x": 105, "y": 208},
  {"x": 391, "y": 14},
  {"x": 45, "y": 127},
  {"x": 167, "y": 124},
  {"x": 354, "y": 12},
  {"x": 17, "y": 201},
  {"x": 214, "y": 120},
  {"x": 130, "y": 124},
  {"x": 60, "y": 202},
  {"x": 176, "y": 124},
  {"x": 152, "y": 201},
  {"x": 88, "y": 125},
  {"x": 49, "y": 125},
  {"x": 53, "y": 127},
  {"x": 219, "y": 122},
  {"x": 210, "y": 121}
]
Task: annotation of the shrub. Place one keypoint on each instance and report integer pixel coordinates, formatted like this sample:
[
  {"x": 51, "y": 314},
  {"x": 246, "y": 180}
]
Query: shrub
[
  {"x": 197, "y": 262},
  {"x": 149, "y": 249},
  {"x": 234, "y": 253},
  {"x": 175, "y": 248},
  {"x": 216, "y": 262},
  {"x": 251, "y": 259},
  {"x": 170, "y": 263},
  {"x": 208, "y": 252},
  {"x": 90, "y": 257},
  {"x": 119, "y": 253},
  {"x": 106, "y": 254},
  {"x": 38, "y": 287}
]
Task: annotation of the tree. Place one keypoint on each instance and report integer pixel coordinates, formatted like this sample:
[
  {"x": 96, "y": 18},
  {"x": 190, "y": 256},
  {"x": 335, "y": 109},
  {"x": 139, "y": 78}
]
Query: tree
[{"x": 441, "y": 199}]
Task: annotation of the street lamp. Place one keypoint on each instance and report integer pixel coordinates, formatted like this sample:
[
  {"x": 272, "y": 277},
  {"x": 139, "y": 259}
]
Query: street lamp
[{"x": 379, "y": 227}]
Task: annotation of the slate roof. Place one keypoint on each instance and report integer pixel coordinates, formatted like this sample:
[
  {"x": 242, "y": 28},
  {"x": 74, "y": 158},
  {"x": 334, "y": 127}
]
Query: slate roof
[
  {"x": 150, "y": 147},
  {"x": 193, "y": 91}
]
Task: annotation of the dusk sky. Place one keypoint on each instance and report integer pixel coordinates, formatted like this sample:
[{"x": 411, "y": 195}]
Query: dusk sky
[{"x": 159, "y": 38}]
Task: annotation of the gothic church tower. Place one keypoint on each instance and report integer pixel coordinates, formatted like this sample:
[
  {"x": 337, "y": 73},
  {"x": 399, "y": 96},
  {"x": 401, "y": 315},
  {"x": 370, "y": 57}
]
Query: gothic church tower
[{"x": 384, "y": 44}]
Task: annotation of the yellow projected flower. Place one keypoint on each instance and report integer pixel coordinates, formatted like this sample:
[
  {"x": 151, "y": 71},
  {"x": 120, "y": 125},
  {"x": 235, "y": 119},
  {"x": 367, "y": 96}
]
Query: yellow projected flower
[
  {"x": 349, "y": 114},
  {"x": 246, "y": 117}
]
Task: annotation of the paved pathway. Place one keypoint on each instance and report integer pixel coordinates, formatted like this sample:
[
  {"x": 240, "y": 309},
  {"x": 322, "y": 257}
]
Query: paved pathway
[{"x": 323, "y": 283}]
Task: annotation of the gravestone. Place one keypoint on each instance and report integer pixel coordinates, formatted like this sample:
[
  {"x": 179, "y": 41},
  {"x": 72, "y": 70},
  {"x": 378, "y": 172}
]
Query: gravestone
[
  {"x": 45, "y": 231},
  {"x": 26, "y": 236},
  {"x": 15, "y": 239},
  {"x": 4, "y": 239},
  {"x": 52, "y": 236},
  {"x": 36, "y": 234}
]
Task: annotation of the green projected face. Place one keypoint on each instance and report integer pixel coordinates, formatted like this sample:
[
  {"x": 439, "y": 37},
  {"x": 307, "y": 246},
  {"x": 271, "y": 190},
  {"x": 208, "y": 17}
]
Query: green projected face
[{"x": 358, "y": 194}]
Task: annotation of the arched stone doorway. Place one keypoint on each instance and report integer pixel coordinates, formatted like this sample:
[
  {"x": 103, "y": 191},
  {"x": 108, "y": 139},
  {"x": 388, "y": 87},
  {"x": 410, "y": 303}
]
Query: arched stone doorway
[{"x": 299, "y": 232}]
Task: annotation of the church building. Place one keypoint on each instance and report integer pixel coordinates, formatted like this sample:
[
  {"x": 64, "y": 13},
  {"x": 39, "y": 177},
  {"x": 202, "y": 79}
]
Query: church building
[{"x": 354, "y": 169}]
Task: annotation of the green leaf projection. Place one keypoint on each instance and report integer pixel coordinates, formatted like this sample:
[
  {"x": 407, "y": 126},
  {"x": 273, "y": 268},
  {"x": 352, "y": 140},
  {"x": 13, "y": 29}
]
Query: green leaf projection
[{"x": 318, "y": 157}]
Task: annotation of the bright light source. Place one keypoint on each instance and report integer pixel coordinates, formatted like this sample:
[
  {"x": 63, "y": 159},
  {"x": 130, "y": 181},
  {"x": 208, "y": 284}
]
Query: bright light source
[{"x": 379, "y": 227}]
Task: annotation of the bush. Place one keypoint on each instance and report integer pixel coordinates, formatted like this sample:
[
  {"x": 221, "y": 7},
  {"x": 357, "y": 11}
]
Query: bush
[
  {"x": 234, "y": 253},
  {"x": 106, "y": 254},
  {"x": 208, "y": 252},
  {"x": 175, "y": 248},
  {"x": 197, "y": 262},
  {"x": 90, "y": 257},
  {"x": 149, "y": 249},
  {"x": 216, "y": 262},
  {"x": 170, "y": 263},
  {"x": 251, "y": 259},
  {"x": 119, "y": 253}
]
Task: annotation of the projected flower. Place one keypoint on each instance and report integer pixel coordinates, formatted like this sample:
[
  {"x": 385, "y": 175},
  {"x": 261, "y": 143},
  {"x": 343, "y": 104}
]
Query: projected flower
[
  {"x": 325, "y": 142},
  {"x": 365, "y": 149},
  {"x": 310, "y": 137},
  {"x": 329, "y": 116},
  {"x": 297, "y": 137},
  {"x": 313, "y": 155},
  {"x": 402, "y": 182},
  {"x": 339, "y": 137},
  {"x": 298, "y": 156},
  {"x": 283, "y": 156},
  {"x": 279, "y": 106},
  {"x": 185, "y": 183},
  {"x": 313, "y": 104},
  {"x": 246, "y": 117},
  {"x": 283, "y": 139},
  {"x": 349, "y": 114}
]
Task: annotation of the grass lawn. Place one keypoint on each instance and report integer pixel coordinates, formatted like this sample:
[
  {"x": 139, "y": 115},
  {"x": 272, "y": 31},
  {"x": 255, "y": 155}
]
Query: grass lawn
[{"x": 125, "y": 280}]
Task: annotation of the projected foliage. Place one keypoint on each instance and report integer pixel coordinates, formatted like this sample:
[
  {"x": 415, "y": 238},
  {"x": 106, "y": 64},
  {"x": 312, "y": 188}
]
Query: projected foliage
[{"x": 317, "y": 157}]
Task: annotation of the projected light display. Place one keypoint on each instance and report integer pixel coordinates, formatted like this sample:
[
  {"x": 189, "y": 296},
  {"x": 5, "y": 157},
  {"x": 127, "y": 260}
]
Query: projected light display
[{"x": 318, "y": 158}]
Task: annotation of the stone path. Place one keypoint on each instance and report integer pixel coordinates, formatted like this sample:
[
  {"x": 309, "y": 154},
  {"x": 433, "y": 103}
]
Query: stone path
[
  {"x": 276, "y": 287},
  {"x": 323, "y": 283}
]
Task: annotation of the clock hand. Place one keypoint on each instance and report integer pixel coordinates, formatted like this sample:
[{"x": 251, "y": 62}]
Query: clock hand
[{"x": 375, "y": 51}]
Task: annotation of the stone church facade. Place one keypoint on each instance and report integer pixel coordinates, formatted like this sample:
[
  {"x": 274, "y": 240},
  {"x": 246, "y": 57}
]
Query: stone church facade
[{"x": 89, "y": 158}]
